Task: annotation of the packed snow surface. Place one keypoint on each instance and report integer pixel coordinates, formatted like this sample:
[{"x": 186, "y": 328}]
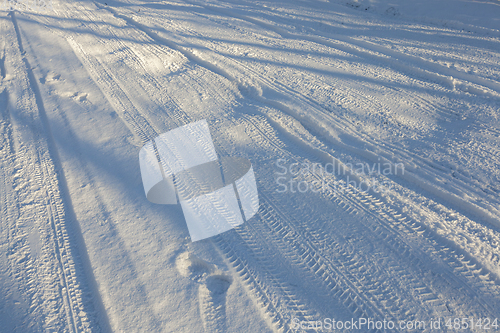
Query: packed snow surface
[{"x": 373, "y": 130}]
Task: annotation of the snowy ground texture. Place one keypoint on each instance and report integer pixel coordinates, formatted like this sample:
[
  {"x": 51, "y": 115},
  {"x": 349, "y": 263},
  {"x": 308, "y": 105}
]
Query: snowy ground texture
[{"x": 370, "y": 88}]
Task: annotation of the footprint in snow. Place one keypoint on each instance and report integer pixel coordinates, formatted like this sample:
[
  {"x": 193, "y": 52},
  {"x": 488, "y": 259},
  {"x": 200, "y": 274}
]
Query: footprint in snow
[
  {"x": 213, "y": 284},
  {"x": 80, "y": 97},
  {"x": 49, "y": 78}
]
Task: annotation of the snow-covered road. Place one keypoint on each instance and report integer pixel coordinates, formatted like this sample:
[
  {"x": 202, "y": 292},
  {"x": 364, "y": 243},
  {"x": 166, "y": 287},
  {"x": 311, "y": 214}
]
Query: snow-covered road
[{"x": 373, "y": 128}]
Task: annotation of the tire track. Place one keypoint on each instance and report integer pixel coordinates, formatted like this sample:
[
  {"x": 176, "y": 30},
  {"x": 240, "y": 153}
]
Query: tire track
[
  {"x": 452, "y": 194},
  {"x": 19, "y": 209},
  {"x": 452, "y": 256},
  {"x": 51, "y": 268},
  {"x": 40, "y": 177},
  {"x": 13, "y": 239},
  {"x": 335, "y": 278},
  {"x": 281, "y": 318},
  {"x": 392, "y": 222},
  {"x": 489, "y": 213},
  {"x": 140, "y": 127},
  {"x": 113, "y": 94},
  {"x": 212, "y": 303},
  {"x": 324, "y": 271},
  {"x": 394, "y": 59},
  {"x": 129, "y": 21}
]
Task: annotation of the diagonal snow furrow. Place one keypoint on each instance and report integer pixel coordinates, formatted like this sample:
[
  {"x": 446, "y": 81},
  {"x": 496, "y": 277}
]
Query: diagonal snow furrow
[
  {"x": 420, "y": 182},
  {"x": 343, "y": 124},
  {"x": 199, "y": 35},
  {"x": 357, "y": 97}
]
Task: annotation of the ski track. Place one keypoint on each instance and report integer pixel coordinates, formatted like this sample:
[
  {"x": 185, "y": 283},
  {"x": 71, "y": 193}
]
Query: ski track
[{"x": 430, "y": 264}]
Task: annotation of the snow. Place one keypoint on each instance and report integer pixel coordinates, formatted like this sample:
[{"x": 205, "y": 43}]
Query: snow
[{"x": 372, "y": 128}]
